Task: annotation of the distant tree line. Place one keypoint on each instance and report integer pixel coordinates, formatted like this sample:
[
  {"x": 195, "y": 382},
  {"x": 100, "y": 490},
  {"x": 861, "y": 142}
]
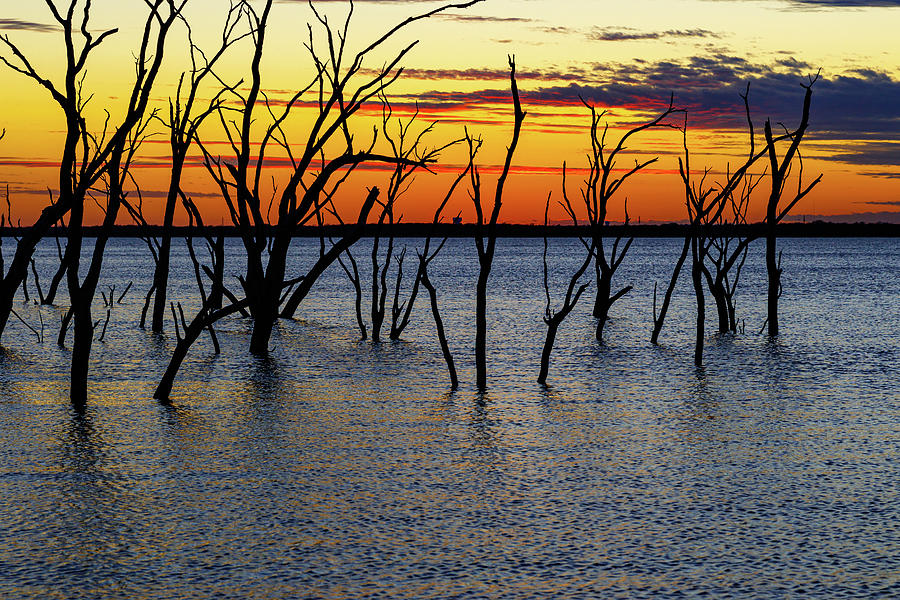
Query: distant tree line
[{"x": 267, "y": 204}]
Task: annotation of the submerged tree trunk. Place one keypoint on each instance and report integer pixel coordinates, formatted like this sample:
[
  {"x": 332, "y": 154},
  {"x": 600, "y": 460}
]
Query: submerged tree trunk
[
  {"x": 439, "y": 325},
  {"x": 720, "y": 297},
  {"x": 161, "y": 274},
  {"x": 660, "y": 319},
  {"x": 774, "y": 279},
  {"x": 602, "y": 302},
  {"x": 82, "y": 340},
  {"x": 481, "y": 327},
  {"x": 697, "y": 278},
  {"x": 268, "y": 299},
  {"x": 552, "y": 328}
]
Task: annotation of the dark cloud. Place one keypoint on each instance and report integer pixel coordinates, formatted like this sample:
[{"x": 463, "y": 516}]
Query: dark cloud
[
  {"x": 868, "y": 153},
  {"x": 882, "y": 175},
  {"x": 26, "y": 26},
  {"x": 846, "y": 3},
  {"x": 622, "y": 34},
  {"x": 488, "y": 74},
  {"x": 483, "y": 19},
  {"x": 858, "y": 106},
  {"x": 879, "y": 202},
  {"x": 844, "y": 106},
  {"x": 830, "y": 4}
]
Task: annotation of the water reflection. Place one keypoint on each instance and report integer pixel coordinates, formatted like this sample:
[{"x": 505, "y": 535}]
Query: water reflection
[{"x": 338, "y": 469}]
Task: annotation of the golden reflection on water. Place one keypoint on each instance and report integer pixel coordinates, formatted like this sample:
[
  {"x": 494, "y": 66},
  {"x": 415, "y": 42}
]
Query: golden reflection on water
[{"x": 344, "y": 470}]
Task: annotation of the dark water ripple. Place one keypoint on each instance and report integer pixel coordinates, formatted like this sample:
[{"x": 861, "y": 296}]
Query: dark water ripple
[{"x": 338, "y": 469}]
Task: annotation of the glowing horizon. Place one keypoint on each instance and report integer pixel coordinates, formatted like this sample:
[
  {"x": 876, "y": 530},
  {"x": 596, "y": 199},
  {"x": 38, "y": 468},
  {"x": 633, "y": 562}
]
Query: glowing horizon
[{"x": 628, "y": 60}]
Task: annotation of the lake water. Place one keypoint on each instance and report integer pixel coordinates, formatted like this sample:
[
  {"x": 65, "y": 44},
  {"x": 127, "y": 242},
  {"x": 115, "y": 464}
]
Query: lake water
[{"x": 342, "y": 469}]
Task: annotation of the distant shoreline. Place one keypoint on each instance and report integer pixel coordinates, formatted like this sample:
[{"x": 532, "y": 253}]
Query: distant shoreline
[{"x": 816, "y": 229}]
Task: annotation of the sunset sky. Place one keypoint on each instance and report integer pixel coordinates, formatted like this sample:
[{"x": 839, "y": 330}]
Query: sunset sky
[{"x": 626, "y": 57}]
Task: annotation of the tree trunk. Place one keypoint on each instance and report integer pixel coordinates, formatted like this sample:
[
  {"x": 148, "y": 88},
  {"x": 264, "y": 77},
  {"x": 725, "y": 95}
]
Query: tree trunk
[
  {"x": 552, "y": 328},
  {"x": 290, "y": 307},
  {"x": 720, "y": 296},
  {"x": 732, "y": 318},
  {"x": 267, "y": 298},
  {"x": 481, "y": 326},
  {"x": 660, "y": 319},
  {"x": 602, "y": 303},
  {"x": 82, "y": 341},
  {"x": 18, "y": 267},
  {"x": 161, "y": 275},
  {"x": 191, "y": 335},
  {"x": 697, "y": 277},
  {"x": 50, "y": 298},
  {"x": 439, "y": 325},
  {"x": 265, "y": 311},
  {"x": 263, "y": 324},
  {"x": 774, "y": 273}
]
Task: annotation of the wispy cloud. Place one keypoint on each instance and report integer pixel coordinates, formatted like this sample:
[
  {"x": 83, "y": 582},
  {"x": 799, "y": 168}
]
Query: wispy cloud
[
  {"x": 869, "y": 153},
  {"x": 820, "y": 4},
  {"x": 21, "y": 25},
  {"x": 487, "y": 74},
  {"x": 483, "y": 18},
  {"x": 624, "y": 34},
  {"x": 882, "y": 175}
]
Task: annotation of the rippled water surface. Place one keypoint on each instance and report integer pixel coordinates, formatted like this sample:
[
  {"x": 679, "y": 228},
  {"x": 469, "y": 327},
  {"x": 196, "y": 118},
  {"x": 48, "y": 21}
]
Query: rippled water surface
[{"x": 342, "y": 469}]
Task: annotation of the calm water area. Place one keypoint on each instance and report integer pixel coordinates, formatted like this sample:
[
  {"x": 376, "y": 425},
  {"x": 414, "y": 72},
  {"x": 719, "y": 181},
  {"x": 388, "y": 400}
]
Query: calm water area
[{"x": 341, "y": 469}]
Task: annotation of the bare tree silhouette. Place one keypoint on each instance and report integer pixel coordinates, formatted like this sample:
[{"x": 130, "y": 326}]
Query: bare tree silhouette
[
  {"x": 184, "y": 121},
  {"x": 407, "y": 147},
  {"x": 704, "y": 207},
  {"x": 86, "y": 158},
  {"x": 599, "y": 188},
  {"x": 428, "y": 254},
  {"x": 779, "y": 173},
  {"x": 340, "y": 90},
  {"x": 339, "y": 95},
  {"x": 706, "y": 204},
  {"x": 554, "y": 318},
  {"x": 728, "y": 253},
  {"x": 659, "y": 318},
  {"x": 379, "y": 275},
  {"x": 486, "y": 231}
]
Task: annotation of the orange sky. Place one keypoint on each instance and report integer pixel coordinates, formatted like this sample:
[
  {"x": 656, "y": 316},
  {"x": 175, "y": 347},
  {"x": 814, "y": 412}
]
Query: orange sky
[{"x": 624, "y": 57}]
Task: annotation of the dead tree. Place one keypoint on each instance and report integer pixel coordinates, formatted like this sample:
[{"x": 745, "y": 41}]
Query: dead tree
[
  {"x": 350, "y": 268},
  {"x": 83, "y": 290},
  {"x": 379, "y": 275},
  {"x": 410, "y": 151},
  {"x": 706, "y": 204},
  {"x": 486, "y": 231},
  {"x": 703, "y": 209},
  {"x": 56, "y": 280},
  {"x": 598, "y": 189},
  {"x": 659, "y": 318},
  {"x": 405, "y": 147},
  {"x": 136, "y": 212},
  {"x": 208, "y": 316},
  {"x": 328, "y": 149},
  {"x": 6, "y": 220},
  {"x": 779, "y": 173},
  {"x": 426, "y": 255},
  {"x": 728, "y": 253},
  {"x": 86, "y": 158},
  {"x": 554, "y": 318},
  {"x": 184, "y": 121}
]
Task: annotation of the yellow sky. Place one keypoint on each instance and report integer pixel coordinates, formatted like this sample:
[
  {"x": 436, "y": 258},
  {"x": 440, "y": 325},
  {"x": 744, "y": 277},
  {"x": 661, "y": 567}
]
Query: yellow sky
[{"x": 625, "y": 56}]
